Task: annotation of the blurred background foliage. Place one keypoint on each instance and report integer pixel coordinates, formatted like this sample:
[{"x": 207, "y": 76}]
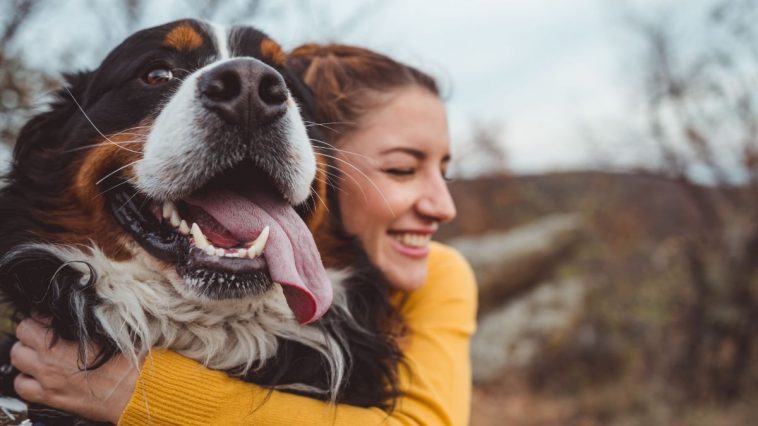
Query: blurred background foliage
[{"x": 608, "y": 297}]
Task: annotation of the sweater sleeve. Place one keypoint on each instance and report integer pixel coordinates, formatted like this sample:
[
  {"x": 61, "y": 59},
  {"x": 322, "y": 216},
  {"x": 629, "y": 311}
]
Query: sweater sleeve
[{"x": 435, "y": 381}]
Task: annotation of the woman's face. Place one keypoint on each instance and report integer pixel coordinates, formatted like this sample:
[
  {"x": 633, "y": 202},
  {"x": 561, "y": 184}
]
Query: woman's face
[{"x": 393, "y": 193}]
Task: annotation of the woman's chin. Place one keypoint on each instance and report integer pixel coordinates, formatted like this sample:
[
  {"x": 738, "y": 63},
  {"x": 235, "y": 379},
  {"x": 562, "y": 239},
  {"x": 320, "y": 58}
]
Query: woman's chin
[{"x": 405, "y": 272}]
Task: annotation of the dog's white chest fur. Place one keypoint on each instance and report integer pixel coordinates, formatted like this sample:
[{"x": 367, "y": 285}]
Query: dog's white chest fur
[{"x": 141, "y": 309}]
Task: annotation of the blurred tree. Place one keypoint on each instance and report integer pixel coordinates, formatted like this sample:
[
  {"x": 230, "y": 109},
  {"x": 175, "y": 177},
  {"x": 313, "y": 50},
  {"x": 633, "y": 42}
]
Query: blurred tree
[
  {"x": 18, "y": 84},
  {"x": 22, "y": 84},
  {"x": 701, "y": 113},
  {"x": 484, "y": 153}
]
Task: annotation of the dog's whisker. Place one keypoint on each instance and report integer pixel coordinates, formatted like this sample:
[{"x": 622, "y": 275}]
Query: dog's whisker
[
  {"x": 131, "y": 180},
  {"x": 321, "y": 200},
  {"x": 321, "y": 125},
  {"x": 142, "y": 205},
  {"x": 365, "y": 197},
  {"x": 376, "y": 188},
  {"x": 326, "y": 125},
  {"x": 328, "y": 122},
  {"x": 116, "y": 171},
  {"x": 371, "y": 181},
  {"x": 93, "y": 124},
  {"x": 81, "y": 148},
  {"x": 334, "y": 148},
  {"x": 129, "y": 200},
  {"x": 127, "y": 133},
  {"x": 335, "y": 176}
]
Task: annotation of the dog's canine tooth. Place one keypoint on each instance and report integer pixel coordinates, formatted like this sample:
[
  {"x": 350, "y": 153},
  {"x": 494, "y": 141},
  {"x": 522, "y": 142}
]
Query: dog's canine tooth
[
  {"x": 259, "y": 244},
  {"x": 168, "y": 207},
  {"x": 183, "y": 228},
  {"x": 175, "y": 219},
  {"x": 200, "y": 241}
]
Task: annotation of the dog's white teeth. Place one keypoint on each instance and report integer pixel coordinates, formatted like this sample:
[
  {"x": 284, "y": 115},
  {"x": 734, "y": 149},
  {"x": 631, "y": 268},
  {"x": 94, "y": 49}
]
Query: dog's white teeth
[
  {"x": 175, "y": 219},
  {"x": 171, "y": 214},
  {"x": 168, "y": 208},
  {"x": 200, "y": 241},
  {"x": 184, "y": 228},
  {"x": 256, "y": 249}
]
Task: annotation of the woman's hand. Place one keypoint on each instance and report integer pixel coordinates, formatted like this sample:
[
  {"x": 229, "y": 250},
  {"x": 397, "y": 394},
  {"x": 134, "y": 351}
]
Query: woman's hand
[{"x": 51, "y": 375}]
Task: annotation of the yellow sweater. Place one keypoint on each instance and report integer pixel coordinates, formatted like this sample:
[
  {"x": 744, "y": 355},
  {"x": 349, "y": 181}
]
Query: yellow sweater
[{"x": 435, "y": 386}]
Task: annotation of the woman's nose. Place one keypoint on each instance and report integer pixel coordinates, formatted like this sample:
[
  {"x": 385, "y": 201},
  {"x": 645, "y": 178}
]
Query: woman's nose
[{"x": 436, "y": 202}]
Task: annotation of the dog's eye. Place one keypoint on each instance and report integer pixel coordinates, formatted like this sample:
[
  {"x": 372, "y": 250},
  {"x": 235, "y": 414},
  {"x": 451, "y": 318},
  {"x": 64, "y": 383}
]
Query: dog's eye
[{"x": 158, "y": 75}]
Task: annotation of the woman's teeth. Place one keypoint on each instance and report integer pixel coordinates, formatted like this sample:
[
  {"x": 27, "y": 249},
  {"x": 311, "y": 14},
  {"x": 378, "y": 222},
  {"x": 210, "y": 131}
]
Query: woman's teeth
[
  {"x": 251, "y": 250},
  {"x": 413, "y": 240}
]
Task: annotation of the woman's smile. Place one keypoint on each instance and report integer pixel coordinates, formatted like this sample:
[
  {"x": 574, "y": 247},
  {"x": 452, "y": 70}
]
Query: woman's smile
[{"x": 411, "y": 244}]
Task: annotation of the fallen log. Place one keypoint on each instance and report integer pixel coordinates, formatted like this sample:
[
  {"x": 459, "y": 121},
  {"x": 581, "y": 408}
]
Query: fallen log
[{"x": 508, "y": 264}]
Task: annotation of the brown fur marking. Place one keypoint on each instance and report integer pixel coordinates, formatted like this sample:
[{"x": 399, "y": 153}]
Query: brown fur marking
[
  {"x": 183, "y": 37},
  {"x": 83, "y": 214},
  {"x": 271, "y": 50},
  {"x": 318, "y": 216}
]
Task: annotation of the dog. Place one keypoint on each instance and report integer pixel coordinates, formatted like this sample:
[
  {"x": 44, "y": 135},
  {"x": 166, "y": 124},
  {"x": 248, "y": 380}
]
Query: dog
[{"x": 164, "y": 200}]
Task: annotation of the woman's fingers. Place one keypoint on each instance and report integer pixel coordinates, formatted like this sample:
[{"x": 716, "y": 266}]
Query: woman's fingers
[
  {"x": 29, "y": 388},
  {"x": 51, "y": 375},
  {"x": 34, "y": 334},
  {"x": 25, "y": 358}
]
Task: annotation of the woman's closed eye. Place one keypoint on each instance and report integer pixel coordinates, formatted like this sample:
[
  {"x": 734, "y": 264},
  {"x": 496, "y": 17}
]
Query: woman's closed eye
[{"x": 400, "y": 171}]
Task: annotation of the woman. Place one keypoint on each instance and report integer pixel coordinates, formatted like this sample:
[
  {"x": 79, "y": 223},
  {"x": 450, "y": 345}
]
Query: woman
[{"x": 388, "y": 129}]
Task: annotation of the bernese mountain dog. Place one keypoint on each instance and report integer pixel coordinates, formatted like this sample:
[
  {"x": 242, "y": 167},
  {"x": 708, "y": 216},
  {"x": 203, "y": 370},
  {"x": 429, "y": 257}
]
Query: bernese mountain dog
[{"x": 164, "y": 200}]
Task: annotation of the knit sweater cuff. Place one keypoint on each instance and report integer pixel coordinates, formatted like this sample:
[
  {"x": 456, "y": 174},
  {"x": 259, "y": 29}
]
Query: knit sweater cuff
[{"x": 171, "y": 390}]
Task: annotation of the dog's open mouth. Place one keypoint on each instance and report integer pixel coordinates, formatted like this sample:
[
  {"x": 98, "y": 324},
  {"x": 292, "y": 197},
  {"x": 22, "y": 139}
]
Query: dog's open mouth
[{"x": 230, "y": 239}]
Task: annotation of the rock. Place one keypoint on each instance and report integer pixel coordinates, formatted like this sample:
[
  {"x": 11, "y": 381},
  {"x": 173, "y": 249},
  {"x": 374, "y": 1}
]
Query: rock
[{"x": 512, "y": 335}]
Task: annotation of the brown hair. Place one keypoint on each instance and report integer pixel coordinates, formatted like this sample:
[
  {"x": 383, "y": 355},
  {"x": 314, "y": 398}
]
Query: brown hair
[{"x": 346, "y": 80}]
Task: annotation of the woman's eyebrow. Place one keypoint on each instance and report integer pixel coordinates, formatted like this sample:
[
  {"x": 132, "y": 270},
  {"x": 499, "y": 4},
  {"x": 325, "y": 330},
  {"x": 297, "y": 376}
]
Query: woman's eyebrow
[{"x": 418, "y": 154}]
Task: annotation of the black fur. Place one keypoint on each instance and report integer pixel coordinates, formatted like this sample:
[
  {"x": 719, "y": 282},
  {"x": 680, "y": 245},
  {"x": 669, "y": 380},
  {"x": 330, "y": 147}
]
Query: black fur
[{"x": 45, "y": 160}]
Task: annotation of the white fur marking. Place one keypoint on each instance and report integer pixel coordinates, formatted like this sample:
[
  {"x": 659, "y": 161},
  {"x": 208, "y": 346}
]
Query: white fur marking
[
  {"x": 141, "y": 309},
  {"x": 221, "y": 35}
]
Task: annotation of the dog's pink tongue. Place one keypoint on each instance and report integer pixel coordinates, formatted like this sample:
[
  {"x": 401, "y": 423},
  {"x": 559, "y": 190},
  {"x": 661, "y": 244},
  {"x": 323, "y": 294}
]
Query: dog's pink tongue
[{"x": 290, "y": 252}]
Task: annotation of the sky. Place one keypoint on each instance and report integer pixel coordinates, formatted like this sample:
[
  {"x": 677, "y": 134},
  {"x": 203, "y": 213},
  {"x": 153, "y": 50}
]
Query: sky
[{"x": 550, "y": 75}]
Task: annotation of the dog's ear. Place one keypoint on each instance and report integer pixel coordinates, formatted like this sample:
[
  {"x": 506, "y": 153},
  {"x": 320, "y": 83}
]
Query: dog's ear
[
  {"x": 302, "y": 94},
  {"x": 44, "y": 130}
]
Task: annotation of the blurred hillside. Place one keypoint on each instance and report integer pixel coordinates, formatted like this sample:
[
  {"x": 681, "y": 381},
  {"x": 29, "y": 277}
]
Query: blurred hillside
[
  {"x": 597, "y": 340},
  {"x": 624, "y": 200}
]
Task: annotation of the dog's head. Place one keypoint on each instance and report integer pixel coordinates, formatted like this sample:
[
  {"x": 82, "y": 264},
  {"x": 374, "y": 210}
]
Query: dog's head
[{"x": 185, "y": 146}]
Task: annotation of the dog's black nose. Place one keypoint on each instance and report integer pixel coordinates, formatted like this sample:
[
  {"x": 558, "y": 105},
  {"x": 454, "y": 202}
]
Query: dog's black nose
[{"x": 244, "y": 91}]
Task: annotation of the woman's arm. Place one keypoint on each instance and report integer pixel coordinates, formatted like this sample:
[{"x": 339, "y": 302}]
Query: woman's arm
[{"x": 435, "y": 382}]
